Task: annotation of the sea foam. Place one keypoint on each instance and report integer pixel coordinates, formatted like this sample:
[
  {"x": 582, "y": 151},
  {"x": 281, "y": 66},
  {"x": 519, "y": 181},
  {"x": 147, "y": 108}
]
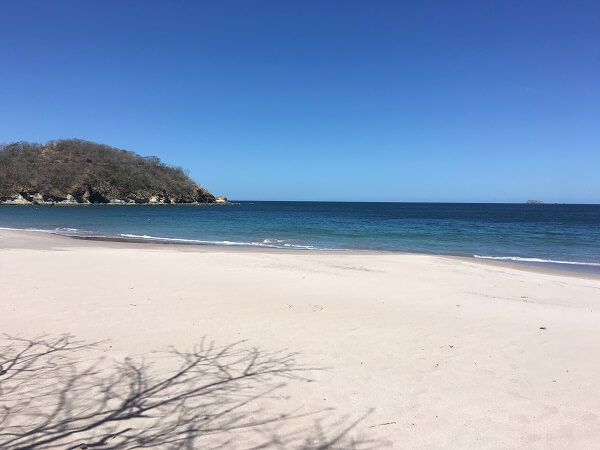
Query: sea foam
[{"x": 537, "y": 260}]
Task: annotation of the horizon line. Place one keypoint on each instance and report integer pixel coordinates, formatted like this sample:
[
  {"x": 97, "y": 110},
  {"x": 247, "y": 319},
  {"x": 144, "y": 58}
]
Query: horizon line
[{"x": 544, "y": 203}]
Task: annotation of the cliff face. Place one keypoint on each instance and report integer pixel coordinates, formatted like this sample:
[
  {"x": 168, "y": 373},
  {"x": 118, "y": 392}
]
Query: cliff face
[{"x": 78, "y": 172}]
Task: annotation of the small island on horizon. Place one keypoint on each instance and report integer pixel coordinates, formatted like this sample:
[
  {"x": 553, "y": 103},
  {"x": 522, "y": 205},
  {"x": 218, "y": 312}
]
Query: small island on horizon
[{"x": 79, "y": 172}]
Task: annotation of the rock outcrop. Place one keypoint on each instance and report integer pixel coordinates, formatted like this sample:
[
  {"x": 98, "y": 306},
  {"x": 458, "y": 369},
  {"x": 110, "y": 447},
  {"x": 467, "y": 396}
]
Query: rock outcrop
[{"x": 70, "y": 172}]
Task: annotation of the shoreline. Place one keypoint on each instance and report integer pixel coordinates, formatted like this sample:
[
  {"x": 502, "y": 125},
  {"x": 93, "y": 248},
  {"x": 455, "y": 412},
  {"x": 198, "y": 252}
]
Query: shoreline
[
  {"x": 112, "y": 203},
  {"x": 158, "y": 243}
]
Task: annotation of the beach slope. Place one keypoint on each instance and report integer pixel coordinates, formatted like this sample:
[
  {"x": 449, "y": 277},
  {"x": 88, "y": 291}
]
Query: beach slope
[{"x": 124, "y": 345}]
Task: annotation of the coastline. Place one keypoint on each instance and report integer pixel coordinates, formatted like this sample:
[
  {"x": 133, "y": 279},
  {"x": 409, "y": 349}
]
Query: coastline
[
  {"x": 574, "y": 270},
  {"x": 382, "y": 348},
  {"x": 555, "y": 236}
]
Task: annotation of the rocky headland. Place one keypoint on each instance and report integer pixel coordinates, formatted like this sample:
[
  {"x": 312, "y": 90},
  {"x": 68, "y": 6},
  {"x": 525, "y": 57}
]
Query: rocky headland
[{"x": 77, "y": 172}]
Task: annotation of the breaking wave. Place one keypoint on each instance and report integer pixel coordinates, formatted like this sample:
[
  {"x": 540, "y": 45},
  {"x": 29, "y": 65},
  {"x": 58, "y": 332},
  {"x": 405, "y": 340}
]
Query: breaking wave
[
  {"x": 268, "y": 243},
  {"x": 537, "y": 260}
]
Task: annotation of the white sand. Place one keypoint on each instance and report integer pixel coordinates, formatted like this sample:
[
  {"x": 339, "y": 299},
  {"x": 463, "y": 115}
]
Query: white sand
[{"x": 408, "y": 351}]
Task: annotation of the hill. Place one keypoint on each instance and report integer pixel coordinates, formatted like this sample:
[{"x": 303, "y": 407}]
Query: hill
[{"x": 76, "y": 171}]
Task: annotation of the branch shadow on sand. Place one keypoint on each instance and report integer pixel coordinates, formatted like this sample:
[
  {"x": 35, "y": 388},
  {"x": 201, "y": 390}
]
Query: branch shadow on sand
[{"x": 59, "y": 392}]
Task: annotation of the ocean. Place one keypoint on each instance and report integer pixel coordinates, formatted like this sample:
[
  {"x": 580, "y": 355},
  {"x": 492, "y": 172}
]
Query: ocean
[{"x": 565, "y": 236}]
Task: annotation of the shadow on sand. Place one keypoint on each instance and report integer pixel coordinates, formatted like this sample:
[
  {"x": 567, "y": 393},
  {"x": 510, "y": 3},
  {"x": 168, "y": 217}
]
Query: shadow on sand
[{"x": 62, "y": 393}]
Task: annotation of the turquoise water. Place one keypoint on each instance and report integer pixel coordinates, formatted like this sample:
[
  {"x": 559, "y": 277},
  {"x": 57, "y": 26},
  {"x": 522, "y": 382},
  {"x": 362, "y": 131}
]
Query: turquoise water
[{"x": 564, "y": 235}]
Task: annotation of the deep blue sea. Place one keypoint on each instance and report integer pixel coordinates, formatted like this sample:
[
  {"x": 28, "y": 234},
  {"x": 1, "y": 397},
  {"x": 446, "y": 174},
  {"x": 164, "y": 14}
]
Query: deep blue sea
[{"x": 567, "y": 236}]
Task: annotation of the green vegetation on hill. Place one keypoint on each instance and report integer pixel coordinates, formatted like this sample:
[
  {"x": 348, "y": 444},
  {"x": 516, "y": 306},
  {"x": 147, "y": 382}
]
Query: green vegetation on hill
[{"x": 77, "y": 171}]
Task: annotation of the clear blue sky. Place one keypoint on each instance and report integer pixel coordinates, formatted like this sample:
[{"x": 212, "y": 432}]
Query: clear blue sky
[{"x": 320, "y": 100}]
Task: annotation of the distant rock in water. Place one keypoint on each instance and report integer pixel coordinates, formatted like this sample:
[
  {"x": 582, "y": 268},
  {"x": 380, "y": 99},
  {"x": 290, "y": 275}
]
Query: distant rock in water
[
  {"x": 74, "y": 171},
  {"x": 535, "y": 202}
]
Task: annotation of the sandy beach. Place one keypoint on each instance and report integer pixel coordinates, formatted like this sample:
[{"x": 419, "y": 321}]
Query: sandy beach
[{"x": 125, "y": 345}]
